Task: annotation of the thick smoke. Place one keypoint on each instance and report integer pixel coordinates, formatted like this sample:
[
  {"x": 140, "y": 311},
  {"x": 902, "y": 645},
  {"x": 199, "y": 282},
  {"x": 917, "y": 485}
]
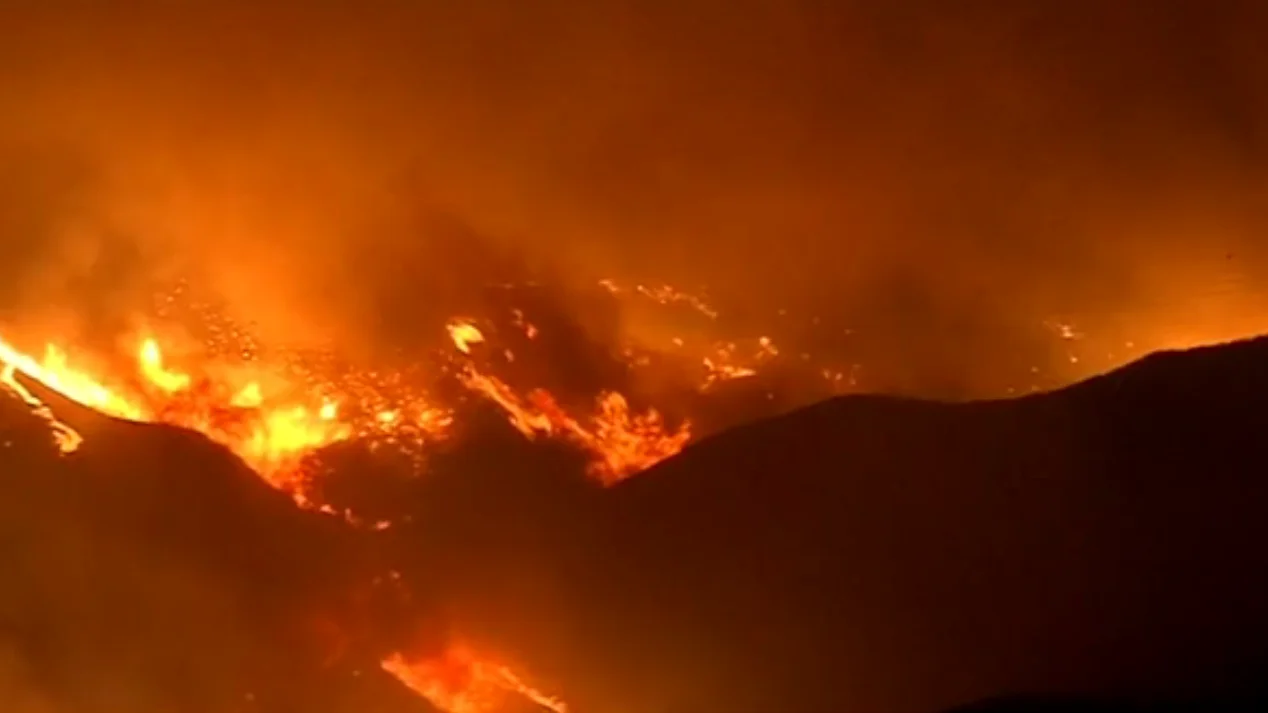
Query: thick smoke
[
  {"x": 942, "y": 178},
  {"x": 20, "y": 693},
  {"x": 947, "y": 176}
]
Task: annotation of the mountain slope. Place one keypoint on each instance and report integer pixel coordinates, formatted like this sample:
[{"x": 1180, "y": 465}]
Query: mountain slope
[
  {"x": 151, "y": 571},
  {"x": 866, "y": 553},
  {"x": 870, "y": 553}
]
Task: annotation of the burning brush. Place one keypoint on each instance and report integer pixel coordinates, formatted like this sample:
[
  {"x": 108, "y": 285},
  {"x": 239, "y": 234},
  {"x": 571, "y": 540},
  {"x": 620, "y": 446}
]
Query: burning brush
[{"x": 282, "y": 410}]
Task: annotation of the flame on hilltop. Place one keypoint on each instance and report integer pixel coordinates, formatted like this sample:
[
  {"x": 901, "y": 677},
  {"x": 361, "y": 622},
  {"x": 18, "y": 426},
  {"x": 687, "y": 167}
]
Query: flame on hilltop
[
  {"x": 271, "y": 437},
  {"x": 464, "y": 334},
  {"x": 275, "y": 421},
  {"x": 460, "y": 681},
  {"x": 275, "y": 418},
  {"x": 54, "y": 372},
  {"x": 272, "y": 432},
  {"x": 622, "y": 443}
]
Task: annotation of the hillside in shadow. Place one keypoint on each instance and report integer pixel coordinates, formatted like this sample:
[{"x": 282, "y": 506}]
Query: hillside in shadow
[{"x": 866, "y": 553}]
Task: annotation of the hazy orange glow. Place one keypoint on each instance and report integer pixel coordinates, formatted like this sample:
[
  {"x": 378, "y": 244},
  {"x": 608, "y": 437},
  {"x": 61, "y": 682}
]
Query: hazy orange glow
[{"x": 354, "y": 177}]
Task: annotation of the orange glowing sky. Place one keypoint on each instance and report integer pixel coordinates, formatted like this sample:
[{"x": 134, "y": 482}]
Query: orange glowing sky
[
  {"x": 798, "y": 198},
  {"x": 326, "y": 166}
]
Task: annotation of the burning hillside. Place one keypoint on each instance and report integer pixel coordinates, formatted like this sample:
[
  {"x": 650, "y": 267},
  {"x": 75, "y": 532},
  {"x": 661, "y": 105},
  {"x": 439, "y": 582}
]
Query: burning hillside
[
  {"x": 283, "y": 411},
  {"x": 275, "y": 410},
  {"x": 411, "y": 293},
  {"x": 278, "y": 407},
  {"x": 449, "y": 601},
  {"x": 291, "y": 414}
]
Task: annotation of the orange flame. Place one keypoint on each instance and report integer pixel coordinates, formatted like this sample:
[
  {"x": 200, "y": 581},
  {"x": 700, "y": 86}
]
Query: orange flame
[
  {"x": 462, "y": 682},
  {"x": 622, "y": 443},
  {"x": 54, "y": 372},
  {"x": 273, "y": 423},
  {"x": 464, "y": 334},
  {"x": 151, "y": 363},
  {"x": 274, "y": 431},
  {"x": 66, "y": 438},
  {"x": 724, "y": 365},
  {"x": 664, "y": 295},
  {"x": 271, "y": 432}
]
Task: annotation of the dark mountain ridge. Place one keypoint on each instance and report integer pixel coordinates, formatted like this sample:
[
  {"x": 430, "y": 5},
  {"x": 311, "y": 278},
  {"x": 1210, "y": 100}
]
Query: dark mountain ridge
[
  {"x": 865, "y": 553},
  {"x": 872, "y": 553}
]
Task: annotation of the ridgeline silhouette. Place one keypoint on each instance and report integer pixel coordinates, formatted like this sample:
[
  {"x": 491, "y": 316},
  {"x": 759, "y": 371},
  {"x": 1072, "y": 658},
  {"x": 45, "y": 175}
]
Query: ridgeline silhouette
[{"x": 866, "y": 553}]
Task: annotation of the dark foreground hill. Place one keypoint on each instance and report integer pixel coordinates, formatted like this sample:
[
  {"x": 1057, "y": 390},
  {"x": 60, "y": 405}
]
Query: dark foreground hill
[
  {"x": 866, "y": 554},
  {"x": 876, "y": 554},
  {"x": 151, "y": 571}
]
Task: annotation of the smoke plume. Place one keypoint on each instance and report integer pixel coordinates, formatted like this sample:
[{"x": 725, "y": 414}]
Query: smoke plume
[{"x": 946, "y": 176}]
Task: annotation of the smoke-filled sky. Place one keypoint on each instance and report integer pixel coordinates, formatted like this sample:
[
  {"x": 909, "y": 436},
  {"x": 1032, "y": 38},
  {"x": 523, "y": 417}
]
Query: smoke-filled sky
[{"x": 976, "y": 163}]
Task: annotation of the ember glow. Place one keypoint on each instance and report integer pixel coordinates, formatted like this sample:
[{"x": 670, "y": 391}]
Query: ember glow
[
  {"x": 726, "y": 362},
  {"x": 664, "y": 295}
]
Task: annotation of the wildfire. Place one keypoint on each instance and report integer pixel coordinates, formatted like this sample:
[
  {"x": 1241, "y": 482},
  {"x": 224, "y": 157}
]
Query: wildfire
[
  {"x": 622, "y": 443},
  {"x": 151, "y": 363},
  {"x": 66, "y": 438},
  {"x": 664, "y": 295},
  {"x": 272, "y": 432},
  {"x": 464, "y": 334},
  {"x": 724, "y": 363},
  {"x": 274, "y": 423},
  {"x": 54, "y": 372},
  {"x": 460, "y": 681},
  {"x": 276, "y": 418}
]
